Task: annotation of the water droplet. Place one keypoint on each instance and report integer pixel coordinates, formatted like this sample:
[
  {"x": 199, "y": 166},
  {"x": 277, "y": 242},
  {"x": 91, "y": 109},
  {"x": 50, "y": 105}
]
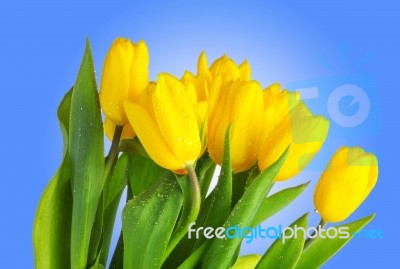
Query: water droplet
[{"x": 316, "y": 211}]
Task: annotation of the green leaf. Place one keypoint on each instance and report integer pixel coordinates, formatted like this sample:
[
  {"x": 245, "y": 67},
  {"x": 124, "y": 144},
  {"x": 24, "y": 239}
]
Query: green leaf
[
  {"x": 117, "y": 260},
  {"x": 221, "y": 252},
  {"x": 276, "y": 202},
  {"x": 96, "y": 234},
  {"x": 214, "y": 210},
  {"x": 113, "y": 192},
  {"x": 194, "y": 257},
  {"x": 205, "y": 168},
  {"x": 52, "y": 226},
  {"x": 143, "y": 173},
  {"x": 148, "y": 221},
  {"x": 86, "y": 159},
  {"x": 320, "y": 250},
  {"x": 115, "y": 186},
  {"x": 247, "y": 261},
  {"x": 241, "y": 181},
  {"x": 189, "y": 214},
  {"x": 284, "y": 253},
  {"x": 218, "y": 206},
  {"x": 133, "y": 146},
  {"x": 97, "y": 264}
]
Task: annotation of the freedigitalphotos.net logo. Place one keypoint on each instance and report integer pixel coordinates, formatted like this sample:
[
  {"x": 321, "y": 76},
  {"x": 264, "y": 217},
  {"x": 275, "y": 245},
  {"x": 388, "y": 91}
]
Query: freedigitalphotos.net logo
[
  {"x": 348, "y": 98},
  {"x": 275, "y": 232}
]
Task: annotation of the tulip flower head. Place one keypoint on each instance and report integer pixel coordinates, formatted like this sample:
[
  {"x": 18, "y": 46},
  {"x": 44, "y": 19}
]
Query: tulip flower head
[
  {"x": 125, "y": 76},
  {"x": 241, "y": 105},
  {"x": 288, "y": 121},
  {"x": 346, "y": 182},
  {"x": 229, "y": 70},
  {"x": 202, "y": 80},
  {"x": 165, "y": 121}
]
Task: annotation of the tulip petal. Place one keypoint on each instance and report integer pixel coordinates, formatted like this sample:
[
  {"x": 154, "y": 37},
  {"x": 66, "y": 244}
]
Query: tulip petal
[
  {"x": 175, "y": 116},
  {"x": 114, "y": 82},
  {"x": 226, "y": 68},
  {"x": 247, "y": 125},
  {"x": 139, "y": 70},
  {"x": 245, "y": 71},
  {"x": 219, "y": 121},
  {"x": 306, "y": 135},
  {"x": 109, "y": 129},
  {"x": 202, "y": 67},
  {"x": 151, "y": 137}
]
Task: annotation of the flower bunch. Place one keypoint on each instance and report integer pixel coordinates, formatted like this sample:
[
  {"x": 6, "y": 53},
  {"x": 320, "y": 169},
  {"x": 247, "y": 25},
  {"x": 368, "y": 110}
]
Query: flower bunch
[{"x": 168, "y": 136}]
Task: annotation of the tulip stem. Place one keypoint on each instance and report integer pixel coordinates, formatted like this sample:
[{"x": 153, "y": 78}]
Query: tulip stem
[
  {"x": 196, "y": 193},
  {"x": 190, "y": 211},
  {"x": 113, "y": 152},
  {"x": 321, "y": 225}
]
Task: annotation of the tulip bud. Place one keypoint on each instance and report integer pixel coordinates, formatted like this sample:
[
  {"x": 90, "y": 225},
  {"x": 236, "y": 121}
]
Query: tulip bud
[
  {"x": 164, "y": 119},
  {"x": 241, "y": 105},
  {"x": 125, "y": 76},
  {"x": 299, "y": 128},
  {"x": 346, "y": 182}
]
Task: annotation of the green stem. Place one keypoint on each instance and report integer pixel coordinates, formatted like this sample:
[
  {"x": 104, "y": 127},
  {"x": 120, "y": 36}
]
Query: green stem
[
  {"x": 191, "y": 209},
  {"x": 321, "y": 225},
  {"x": 196, "y": 193},
  {"x": 113, "y": 152}
]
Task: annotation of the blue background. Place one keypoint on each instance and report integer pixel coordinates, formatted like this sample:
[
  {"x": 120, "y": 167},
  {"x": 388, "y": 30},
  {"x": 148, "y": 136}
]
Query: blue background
[{"x": 297, "y": 43}]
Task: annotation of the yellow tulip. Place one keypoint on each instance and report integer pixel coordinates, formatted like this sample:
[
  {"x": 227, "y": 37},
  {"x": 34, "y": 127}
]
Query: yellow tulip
[
  {"x": 277, "y": 105},
  {"x": 125, "y": 76},
  {"x": 229, "y": 70},
  {"x": 109, "y": 129},
  {"x": 202, "y": 80},
  {"x": 299, "y": 128},
  {"x": 241, "y": 105},
  {"x": 198, "y": 86},
  {"x": 346, "y": 182},
  {"x": 165, "y": 121}
]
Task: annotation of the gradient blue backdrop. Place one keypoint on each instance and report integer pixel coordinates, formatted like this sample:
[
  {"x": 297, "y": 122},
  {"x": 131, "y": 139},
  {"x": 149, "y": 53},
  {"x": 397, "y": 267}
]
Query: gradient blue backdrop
[{"x": 298, "y": 43}]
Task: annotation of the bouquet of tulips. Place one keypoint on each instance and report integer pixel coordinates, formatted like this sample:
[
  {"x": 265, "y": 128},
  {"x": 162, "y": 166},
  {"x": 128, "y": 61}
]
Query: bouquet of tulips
[{"x": 167, "y": 138}]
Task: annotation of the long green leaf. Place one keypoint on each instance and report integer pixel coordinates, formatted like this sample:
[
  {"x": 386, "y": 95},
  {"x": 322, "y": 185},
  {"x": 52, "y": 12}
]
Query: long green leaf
[
  {"x": 322, "y": 249},
  {"x": 113, "y": 192},
  {"x": 52, "y": 226},
  {"x": 142, "y": 173},
  {"x": 221, "y": 252},
  {"x": 276, "y": 202},
  {"x": 195, "y": 257},
  {"x": 86, "y": 159},
  {"x": 205, "y": 168},
  {"x": 285, "y": 252},
  {"x": 148, "y": 221},
  {"x": 247, "y": 262},
  {"x": 220, "y": 198}
]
